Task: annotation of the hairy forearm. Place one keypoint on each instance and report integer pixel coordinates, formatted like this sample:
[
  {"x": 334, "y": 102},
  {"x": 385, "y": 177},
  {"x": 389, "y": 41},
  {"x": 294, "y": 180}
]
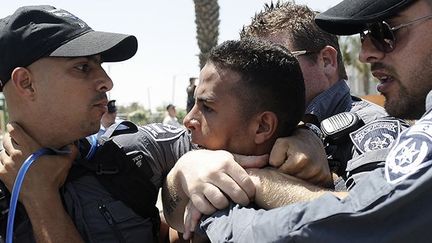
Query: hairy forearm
[
  {"x": 275, "y": 189},
  {"x": 50, "y": 221},
  {"x": 174, "y": 202}
]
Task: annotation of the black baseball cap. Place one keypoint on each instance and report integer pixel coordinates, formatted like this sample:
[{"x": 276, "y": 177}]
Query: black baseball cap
[
  {"x": 34, "y": 32},
  {"x": 351, "y": 16}
]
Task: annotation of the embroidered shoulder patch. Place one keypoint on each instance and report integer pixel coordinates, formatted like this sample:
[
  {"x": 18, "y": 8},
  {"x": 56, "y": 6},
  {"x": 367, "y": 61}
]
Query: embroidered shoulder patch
[
  {"x": 163, "y": 132},
  {"x": 410, "y": 152},
  {"x": 378, "y": 134}
]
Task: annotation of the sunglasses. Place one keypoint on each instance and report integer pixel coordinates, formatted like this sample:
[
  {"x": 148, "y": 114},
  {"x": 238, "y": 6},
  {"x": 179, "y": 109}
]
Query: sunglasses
[
  {"x": 383, "y": 36},
  {"x": 302, "y": 52}
]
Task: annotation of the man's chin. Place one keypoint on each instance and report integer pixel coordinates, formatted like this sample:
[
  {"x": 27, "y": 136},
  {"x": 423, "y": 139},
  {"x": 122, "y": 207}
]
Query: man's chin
[
  {"x": 92, "y": 131},
  {"x": 201, "y": 147}
]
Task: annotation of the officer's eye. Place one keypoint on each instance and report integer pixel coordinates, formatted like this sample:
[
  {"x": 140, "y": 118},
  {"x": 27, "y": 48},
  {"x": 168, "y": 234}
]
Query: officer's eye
[{"x": 83, "y": 68}]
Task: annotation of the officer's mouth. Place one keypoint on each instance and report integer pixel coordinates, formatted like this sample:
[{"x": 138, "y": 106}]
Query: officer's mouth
[{"x": 385, "y": 82}]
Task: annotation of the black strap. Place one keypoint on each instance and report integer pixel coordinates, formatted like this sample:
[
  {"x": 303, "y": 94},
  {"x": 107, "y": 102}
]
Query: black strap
[
  {"x": 117, "y": 129},
  {"x": 120, "y": 176}
]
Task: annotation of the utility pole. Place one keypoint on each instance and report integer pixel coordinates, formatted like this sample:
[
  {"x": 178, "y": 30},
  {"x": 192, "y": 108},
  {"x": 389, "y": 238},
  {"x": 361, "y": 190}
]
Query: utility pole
[
  {"x": 149, "y": 99},
  {"x": 173, "y": 89}
]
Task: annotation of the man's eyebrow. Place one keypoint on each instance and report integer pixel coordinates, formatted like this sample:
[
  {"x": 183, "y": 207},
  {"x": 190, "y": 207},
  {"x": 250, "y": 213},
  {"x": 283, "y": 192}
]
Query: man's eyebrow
[
  {"x": 95, "y": 58},
  {"x": 205, "y": 98},
  {"x": 394, "y": 17}
]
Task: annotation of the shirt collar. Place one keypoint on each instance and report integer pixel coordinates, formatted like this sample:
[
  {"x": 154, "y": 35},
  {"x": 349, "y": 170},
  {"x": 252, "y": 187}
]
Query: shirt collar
[{"x": 332, "y": 101}]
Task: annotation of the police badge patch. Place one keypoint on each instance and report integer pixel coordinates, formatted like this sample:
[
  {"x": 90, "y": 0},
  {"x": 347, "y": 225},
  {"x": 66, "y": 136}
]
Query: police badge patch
[
  {"x": 376, "y": 135},
  {"x": 410, "y": 152}
]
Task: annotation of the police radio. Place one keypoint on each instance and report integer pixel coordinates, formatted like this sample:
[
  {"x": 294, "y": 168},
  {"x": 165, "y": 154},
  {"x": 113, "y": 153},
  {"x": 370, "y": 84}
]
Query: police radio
[{"x": 337, "y": 128}]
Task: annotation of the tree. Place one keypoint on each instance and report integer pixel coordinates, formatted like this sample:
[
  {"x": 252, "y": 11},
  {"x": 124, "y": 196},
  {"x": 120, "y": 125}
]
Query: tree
[
  {"x": 350, "y": 48},
  {"x": 135, "y": 113},
  {"x": 139, "y": 117},
  {"x": 207, "y": 25}
]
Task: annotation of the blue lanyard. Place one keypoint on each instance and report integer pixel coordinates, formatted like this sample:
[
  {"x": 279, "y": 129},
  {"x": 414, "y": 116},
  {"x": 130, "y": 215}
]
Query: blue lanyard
[
  {"x": 20, "y": 178},
  {"x": 16, "y": 189},
  {"x": 94, "y": 146}
]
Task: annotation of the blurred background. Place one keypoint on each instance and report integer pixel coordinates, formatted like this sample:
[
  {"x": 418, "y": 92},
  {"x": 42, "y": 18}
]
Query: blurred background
[{"x": 173, "y": 36}]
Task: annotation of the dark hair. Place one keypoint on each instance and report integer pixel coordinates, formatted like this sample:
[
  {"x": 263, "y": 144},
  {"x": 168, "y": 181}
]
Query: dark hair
[
  {"x": 297, "y": 21},
  {"x": 170, "y": 106},
  {"x": 271, "y": 79}
]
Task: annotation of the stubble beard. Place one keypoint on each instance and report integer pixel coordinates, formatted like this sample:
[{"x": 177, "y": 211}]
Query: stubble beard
[{"x": 411, "y": 102}]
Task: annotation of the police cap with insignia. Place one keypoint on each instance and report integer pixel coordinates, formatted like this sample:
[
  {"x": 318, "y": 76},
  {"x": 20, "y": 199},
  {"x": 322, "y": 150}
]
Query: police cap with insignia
[{"x": 34, "y": 32}]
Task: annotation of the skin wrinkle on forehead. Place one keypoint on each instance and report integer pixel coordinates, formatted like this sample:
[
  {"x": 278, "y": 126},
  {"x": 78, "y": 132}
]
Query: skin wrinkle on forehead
[
  {"x": 207, "y": 97},
  {"x": 220, "y": 76}
]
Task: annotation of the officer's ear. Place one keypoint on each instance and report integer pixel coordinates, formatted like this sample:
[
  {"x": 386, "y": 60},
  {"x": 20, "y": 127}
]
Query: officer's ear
[
  {"x": 266, "y": 126},
  {"x": 22, "y": 80},
  {"x": 329, "y": 59}
]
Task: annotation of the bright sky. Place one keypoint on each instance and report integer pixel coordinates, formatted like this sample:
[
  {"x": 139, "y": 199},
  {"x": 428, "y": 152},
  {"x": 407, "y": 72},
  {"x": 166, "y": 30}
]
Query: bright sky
[{"x": 167, "y": 51}]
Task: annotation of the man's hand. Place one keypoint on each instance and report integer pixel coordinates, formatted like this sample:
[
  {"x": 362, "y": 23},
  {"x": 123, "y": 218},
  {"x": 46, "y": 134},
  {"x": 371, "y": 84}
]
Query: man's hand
[
  {"x": 302, "y": 155},
  {"x": 209, "y": 179},
  {"x": 39, "y": 192},
  {"x": 47, "y": 174},
  {"x": 191, "y": 220}
]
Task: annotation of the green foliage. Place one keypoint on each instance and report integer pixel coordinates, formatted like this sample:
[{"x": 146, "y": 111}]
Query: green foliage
[
  {"x": 135, "y": 113},
  {"x": 139, "y": 117},
  {"x": 181, "y": 113}
]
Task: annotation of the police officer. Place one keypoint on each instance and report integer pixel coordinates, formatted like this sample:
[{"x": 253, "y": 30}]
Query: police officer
[
  {"x": 110, "y": 116},
  {"x": 110, "y": 192},
  {"x": 110, "y": 195},
  {"x": 55, "y": 88},
  {"x": 327, "y": 94},
  {"x": 390, "y": 204}
]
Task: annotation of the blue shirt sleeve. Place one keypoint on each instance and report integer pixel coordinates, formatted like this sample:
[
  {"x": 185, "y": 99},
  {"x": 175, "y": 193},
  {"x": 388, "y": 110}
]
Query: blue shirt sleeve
[{"x": 374, "y": 210}]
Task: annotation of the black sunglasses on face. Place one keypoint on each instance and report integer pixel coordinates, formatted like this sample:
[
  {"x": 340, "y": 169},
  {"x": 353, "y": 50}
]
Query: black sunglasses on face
[{"x": 382, "y": 35}]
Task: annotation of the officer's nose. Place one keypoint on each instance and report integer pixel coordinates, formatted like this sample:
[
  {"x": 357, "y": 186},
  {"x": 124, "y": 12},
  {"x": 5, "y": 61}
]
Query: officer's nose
[
  {"x": 104, "y": 82},
  {"x": 369, "y": 53}
]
